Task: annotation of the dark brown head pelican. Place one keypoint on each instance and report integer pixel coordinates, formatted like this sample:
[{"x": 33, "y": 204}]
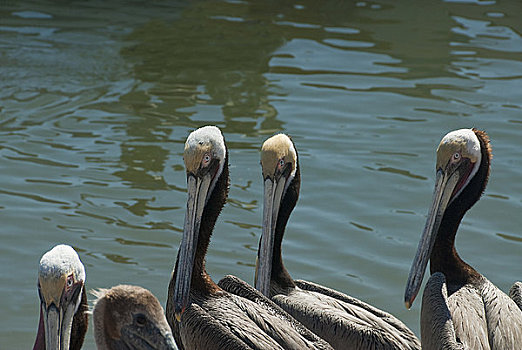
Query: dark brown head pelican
[
  {"x": 200, "y": 313},
  {"x": 461, "y": 309},
  {"x": 63, "y": 303},
  {"x": 343, "y": 321},
  {"x": 130, "y": 317}
]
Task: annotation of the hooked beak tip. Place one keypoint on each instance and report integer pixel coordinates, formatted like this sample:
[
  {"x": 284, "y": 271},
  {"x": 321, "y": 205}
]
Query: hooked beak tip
[{"x": 408, "y": 303}]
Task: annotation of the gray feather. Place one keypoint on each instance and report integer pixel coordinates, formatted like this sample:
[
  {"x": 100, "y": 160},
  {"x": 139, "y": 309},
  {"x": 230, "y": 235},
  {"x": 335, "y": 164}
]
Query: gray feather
[
  {"x": 345, "y": 322},
  {"x": 515, "y": 293},
  {"x": 234, "y": 285},
  {"x": 474, "y": 316},
  {"x": 437, "y": 329},
  {"x": 228, "y": 321}
]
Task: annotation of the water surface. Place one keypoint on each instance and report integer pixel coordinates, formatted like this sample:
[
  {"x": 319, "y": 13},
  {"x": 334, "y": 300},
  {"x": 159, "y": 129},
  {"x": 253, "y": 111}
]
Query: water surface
[{"x": 97, "y": 99}]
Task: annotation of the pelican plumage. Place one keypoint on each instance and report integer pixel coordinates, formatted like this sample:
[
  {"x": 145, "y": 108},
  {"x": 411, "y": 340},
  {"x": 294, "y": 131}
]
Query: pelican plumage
[
  {"x": 345, "y": 322},
  {"x": 63, "y": 302},
  {"x": 201, "y": 314},
  {"x": 130, "y": 317},
  {"x": 461, "y": 309}
]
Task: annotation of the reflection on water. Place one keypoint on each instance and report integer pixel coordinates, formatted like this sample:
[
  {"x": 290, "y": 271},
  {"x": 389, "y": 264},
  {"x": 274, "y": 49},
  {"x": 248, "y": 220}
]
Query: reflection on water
[
  {"x": 97, "y": 98},
  {"x": 147, "y": 244},
  {"x": 208, "y": 58},
  {"x": 245, "y": 225},
  {"x": 397, "y": 171},
  {"x": 120, "y": 259},
  {"x": 252, "y": 205}
]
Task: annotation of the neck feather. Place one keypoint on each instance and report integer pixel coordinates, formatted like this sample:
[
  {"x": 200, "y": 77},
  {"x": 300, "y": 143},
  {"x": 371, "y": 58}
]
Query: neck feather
[
  {"x": 201, "y": 281},
  {"x": 280, "y": 278},
  {"x": 80, "y": 323}
]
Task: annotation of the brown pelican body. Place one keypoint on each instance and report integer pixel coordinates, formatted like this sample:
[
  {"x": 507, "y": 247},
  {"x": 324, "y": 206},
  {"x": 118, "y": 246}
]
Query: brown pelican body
[
  {"x": 461, "y": 309},
  {"x": 130, "y": 317},
  {"x": 63, "y": 302},
  {"x": 200, "y": 313},
  {"x": 343, "y": 321}
]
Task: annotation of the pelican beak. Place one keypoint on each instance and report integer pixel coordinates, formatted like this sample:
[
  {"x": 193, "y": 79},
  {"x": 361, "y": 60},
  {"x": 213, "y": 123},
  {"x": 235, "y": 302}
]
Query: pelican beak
[
  {"x": 197, "y": 190},
  {"x": 53, "y": 329},
  {"x": 445, "y": 187},
  {"x": 56, "y": 321},
  {"x": 167, "y": 342},
  {"x": 163, "y": 341},
  {"x": 273, "y": 194},
  {"x": 150, "y": 336}
]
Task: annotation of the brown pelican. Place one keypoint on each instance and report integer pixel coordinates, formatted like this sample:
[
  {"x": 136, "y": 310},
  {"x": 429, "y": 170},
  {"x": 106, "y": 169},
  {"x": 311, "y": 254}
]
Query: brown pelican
[
  {"x": 343, "y": 321},
  {"x": 63, "y": 302},
  {"x": 201, "y": 314},
  {"x": 130, "y": 317},
  {"x": 461, "y": 309}
]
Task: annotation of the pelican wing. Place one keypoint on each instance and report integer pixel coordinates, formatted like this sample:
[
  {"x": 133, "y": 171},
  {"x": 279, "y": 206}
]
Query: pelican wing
[
  {"x": 238, "y": 287},
  {"x": 503, "y": 316},
  {"x": 516, "y": 293},
  {"x": 341, "y": 319},
  {"x": 469, "y": 317},
  {"x": 473, "y": 317},
  {"x": 200, "y": 331},
  {"x": 437, "y": 326}
]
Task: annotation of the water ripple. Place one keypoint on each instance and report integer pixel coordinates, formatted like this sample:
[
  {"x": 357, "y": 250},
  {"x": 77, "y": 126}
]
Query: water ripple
[
  {"x": 250, "y": 206},
  {"x": 397, "y": 171},
  {"x": 34, "y": 197},
  {"x": 49, "y": 182},
  {"x": 510, "y": 237},
  {"x": 141, "y": 243},
  {"x": 42, "y": 161},
  {"x": 361, "y": 227},
  {"x": 244, "y": 225},
  {"x": 312, "y": 57}
]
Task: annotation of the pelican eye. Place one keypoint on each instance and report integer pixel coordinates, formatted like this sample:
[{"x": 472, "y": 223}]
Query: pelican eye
[
  {"x": 206, "y": 159},
  {"x": 456, "y": 157},
  {"x": 70, "y": 281},
  {"x": 281, "y": 163},
  {"x": 140, "y": 320}
]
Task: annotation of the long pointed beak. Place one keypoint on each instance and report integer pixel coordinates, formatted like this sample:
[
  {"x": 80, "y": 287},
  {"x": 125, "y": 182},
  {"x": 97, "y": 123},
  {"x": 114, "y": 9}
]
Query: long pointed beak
[
  {"x": 272, "y": 200},
  {"x": 152, "y": 336},
  {"x": 444, "y": 187},
  {"x": 197, "y": 189},
  {"x": 52, "y": 323},
  {"x": 168, "y": 342},
  {"x": 57, "y": 326}
]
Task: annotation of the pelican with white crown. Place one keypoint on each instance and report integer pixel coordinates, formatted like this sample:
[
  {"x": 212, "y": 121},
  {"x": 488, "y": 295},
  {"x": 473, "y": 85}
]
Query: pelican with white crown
[
  {"x": 201, "y": 313},
  {"x": 63, "y": 302},
  {"x": 461, "y": 309},
  {"x": 345, "y": 322}
]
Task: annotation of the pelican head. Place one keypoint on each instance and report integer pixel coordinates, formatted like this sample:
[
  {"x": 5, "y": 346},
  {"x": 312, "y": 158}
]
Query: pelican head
[
  {"x": 279, "y": 166},
  {"x": 458, "y": 160},
  {"x": 61, "y": 277},
  {"x": 130, "y": 317},
  {"x": 204, "y": 157}
]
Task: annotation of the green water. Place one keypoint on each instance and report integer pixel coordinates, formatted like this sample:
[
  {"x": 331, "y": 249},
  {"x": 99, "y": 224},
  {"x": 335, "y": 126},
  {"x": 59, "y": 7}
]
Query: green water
[{"x": 97, "y": 98}]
